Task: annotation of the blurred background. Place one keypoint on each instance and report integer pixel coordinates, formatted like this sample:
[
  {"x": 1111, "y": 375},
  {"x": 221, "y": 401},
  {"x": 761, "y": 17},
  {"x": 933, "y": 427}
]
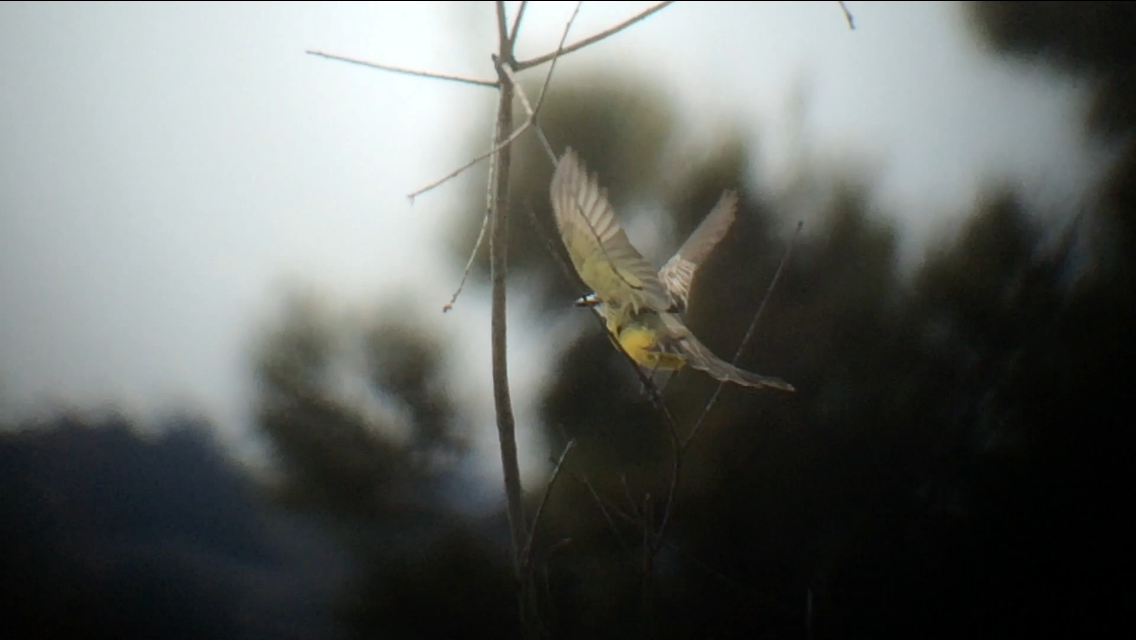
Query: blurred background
[{"x": 231, "y": 405}]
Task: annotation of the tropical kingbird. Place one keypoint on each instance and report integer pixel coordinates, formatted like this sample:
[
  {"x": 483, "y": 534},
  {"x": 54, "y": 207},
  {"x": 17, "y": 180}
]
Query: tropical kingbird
[{"x": 640, "y": 306}]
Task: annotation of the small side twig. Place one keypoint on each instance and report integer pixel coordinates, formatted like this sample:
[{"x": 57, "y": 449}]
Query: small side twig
[
  {"x": 532, "y": 111},
  {"x": 748, "y": 334},
  {"x": 528, "y": 64},
  {"x": 517, "y": 23},
  {"x": 405, "y": 70},
  {"x": 468, "y": 265},
  {"x": 847, "y": 15},
  {"x": 603, "y": 509},
  {"x": 526, "y": 554}
]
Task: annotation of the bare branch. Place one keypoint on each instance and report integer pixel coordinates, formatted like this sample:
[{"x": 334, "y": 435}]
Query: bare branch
[
  {"x": 505, "y": 43},
  {"x": 499, "y": 146},
  {"x": 527, "y": 553},
  {"x": 410, "y": 72},
  {"x": 528, "y": 64},
  {"x": 498, "y": 210},
  {"x": 847, "y": 15},
  {"x": 676, "y": 470},
  {"x": 517, "y": 24},
  {"x": 608, "y": 508},
  {"x": 532, "y": 111},
  {"x": 748, "y": 334},
  {"x": 603, "y": 509},
  {"x": 468, "y": 265},
  {"x": 627, "y": 493}
]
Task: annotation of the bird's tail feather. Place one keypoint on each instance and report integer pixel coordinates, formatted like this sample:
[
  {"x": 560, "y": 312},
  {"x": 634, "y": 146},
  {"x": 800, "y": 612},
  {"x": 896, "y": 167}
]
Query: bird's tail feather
[{"x": 701, "y": 358}]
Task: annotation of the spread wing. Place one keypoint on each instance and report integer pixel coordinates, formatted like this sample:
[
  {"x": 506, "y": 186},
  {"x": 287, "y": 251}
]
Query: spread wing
[
  {"x": 678, "y": 273},
  {"x": 603, "y": 256}
]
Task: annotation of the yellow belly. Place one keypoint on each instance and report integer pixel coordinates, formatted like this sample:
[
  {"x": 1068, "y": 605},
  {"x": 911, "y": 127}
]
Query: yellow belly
[{"x": 639, "y": 343}]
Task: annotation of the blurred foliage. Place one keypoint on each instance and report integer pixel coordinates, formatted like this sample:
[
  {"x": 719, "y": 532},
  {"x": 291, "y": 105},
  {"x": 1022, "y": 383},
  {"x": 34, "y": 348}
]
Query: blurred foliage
[
  {"x": 950, "y": 466},
  {"x": 110, "y": 531},
  {"x": 384, "y": 492}
]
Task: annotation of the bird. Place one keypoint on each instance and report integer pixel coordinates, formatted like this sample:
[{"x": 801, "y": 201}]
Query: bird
[
  {"x": 602, "y": 255},
  {"x": 640, "y": 306}
]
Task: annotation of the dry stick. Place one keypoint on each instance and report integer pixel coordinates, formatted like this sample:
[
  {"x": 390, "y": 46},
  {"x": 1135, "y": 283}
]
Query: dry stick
[
  {"x": 748, "y": 334},
  {"x": 517, "y": 24},
  {"x": 498, "y": 207},
  {"x": 527, "y": 64},
  {"x": 499, "y": 145},
  {"x": 608, "y": 508},
  {"x": 627, "y": 494},
  {"x": 469, "y": 264},
  {"x": 527, "y": 587},
  {"x": 847, "y": 15},
  {"x": 526, "y": 554},
  {"x": 532, "y": 113},
  {"x": 404, "y": 70},
  {"x": 591, "y": 489},
  {"x": 649, "y": 552},
  {"x": 600, "y": 503}
]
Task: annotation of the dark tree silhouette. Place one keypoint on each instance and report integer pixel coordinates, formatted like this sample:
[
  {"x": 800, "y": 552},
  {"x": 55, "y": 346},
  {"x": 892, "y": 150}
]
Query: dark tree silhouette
[{"x": 106, "y": 533}]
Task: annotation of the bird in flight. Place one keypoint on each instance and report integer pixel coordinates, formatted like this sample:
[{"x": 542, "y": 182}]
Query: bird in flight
[{"x": 640, "y": 306}]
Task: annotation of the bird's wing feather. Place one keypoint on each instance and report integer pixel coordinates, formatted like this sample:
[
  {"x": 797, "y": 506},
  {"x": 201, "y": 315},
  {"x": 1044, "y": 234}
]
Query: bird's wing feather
[
  {"x": 678, "y": 273},
  {"x": 603, "y": 256}
]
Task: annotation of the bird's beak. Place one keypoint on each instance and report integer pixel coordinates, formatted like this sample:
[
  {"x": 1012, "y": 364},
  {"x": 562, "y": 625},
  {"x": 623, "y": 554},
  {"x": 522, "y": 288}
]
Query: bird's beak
[{"x": 589, "y": 300}]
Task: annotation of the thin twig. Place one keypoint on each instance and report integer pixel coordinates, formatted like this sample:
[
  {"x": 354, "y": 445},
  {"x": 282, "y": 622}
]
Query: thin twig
[
  {"x": 517, "y": 24},
  {"x": 748, "y": 334},
  {"x": 649, "y": 551},
  {"x": 527, "y": 553},
  {"x": 627, "y": 494},
  {"x": 847, "y": 15},
  {"x": 603, "y": 509},
  {"x": 533, "y": 110},
  {"x": 469, "y": 264},
  {"x": 404, "y": 70},
  {"x": 676, "y": 469},
  {"x": 500, "y": 145},
  {"x": 528, "y": 64},
  {"x": 505, "y": 41},
  {"x": 497, "y": 148},
  {"x": 608, "y": 508}
]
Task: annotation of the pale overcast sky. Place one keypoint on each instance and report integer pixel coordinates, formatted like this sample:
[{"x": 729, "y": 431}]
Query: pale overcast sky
[{"x": 165, "y": 167}]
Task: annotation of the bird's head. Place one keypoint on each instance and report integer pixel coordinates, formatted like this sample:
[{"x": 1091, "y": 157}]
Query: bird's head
[{"x": 589, "y": 300}]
